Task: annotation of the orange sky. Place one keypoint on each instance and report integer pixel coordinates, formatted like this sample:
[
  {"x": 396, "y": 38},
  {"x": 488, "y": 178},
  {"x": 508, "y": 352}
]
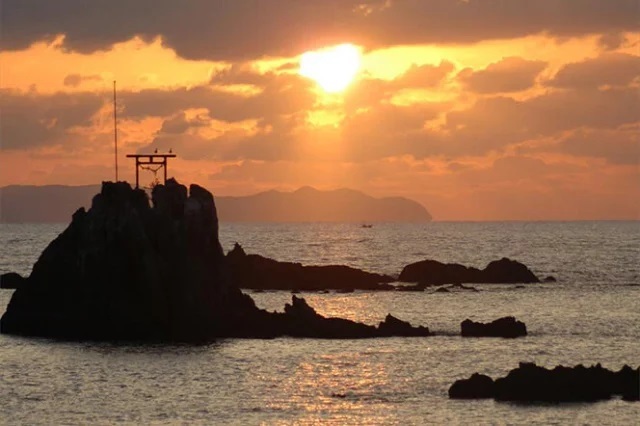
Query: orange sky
[{"x": 476, "y": 110}]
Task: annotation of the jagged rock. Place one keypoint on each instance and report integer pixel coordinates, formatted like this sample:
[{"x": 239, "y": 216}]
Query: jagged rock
[
  {"x": 442, "y": 290},
  {"x": 478, "y": 386},
  {"x": 252, "y": 271},
  {"x": 11, "y": 280},
  {"x": 392, "y": 326},
  {"x": 431, "y": 272},
  {"x": 301, "y": 320},
  {"x": 531, "y": 383},
  {"x": 502, "y": 327},
  {"x": 126, "y": 270}
]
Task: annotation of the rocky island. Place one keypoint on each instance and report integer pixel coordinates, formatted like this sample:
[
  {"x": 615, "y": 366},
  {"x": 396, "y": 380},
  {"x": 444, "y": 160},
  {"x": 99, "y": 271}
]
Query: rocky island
[
  {"x": 129, "y": 270},
  {"x": 431, "y": 272},
  {"x": 255, "y": 272},
  {"x": 532, "y": 383}
]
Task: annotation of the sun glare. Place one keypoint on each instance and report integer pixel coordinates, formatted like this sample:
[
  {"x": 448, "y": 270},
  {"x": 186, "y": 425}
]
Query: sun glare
[{"x": 333, "y": 68}]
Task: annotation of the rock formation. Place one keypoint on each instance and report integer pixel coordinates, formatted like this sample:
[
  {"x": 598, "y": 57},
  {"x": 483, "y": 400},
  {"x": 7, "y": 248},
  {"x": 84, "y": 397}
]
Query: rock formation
[
  {"x": 128, "y": 270},
  {"x": 11, "y": 280},
  {"x": 301, "y": 320},
  {"x": 252, "y": 271},
  {"x": 478, "y": 386},
  {"x": 502, "y": 327},
  {"x": 432, "y": 272},
  {"x": 531, "y": 383}
]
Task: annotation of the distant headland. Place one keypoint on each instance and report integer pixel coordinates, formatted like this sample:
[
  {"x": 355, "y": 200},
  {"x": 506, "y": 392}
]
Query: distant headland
[{"x": 56, "y": 204}]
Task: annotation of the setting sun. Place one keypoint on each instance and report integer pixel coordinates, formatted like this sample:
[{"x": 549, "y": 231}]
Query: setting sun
[{"x": 333, "y": 68}]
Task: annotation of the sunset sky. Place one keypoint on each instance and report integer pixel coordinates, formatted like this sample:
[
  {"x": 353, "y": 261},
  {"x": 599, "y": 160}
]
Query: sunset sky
[{"x": 478, "y": 109}]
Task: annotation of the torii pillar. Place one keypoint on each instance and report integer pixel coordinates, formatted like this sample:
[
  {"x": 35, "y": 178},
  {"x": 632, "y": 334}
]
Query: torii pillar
[{"x": 151, "y": 160}]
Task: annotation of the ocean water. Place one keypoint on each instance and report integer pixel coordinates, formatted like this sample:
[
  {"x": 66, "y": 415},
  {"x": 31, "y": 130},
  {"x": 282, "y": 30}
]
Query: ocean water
[{"x": 591, "y": 314}]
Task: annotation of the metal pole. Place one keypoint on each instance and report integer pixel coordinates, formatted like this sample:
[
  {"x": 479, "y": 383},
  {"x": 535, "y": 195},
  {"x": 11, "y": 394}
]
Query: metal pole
[
  {"x": 165, "y": 170},
  {"x": 115, "y": 126},
  {"x": 137, "y": 166}
]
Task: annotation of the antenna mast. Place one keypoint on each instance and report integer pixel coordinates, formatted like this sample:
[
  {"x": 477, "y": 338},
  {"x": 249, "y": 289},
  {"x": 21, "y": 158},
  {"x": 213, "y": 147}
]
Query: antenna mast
[{"x": 115, "y": 127}]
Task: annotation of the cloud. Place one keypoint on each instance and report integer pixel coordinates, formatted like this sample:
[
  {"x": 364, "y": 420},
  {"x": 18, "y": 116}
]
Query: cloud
[
  {"x": 30, "y": 120},
  {"x": 245, "y": 29},
  {"x": 281, "y": 94},
  {"x": 612, "y": 41},
  {"x": 367, "y": 92},
  {"x": 508, "y": 75},
  {"x": 490, "y": 124},
  {"x": 614, "y": 69},
  {"x": 74, "y": 80},
  {"x": 616, "y": 146},
  {"x": 424, "y": 75},
  {"x": 210, "y": 122}
]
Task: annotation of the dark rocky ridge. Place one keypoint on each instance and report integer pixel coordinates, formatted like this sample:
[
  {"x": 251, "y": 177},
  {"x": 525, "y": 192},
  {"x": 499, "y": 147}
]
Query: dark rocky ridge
[
  {"x": 432, "y": 272},
  {"x": 252, "y": 271},
  {"x": 531, "y": 383},
  {"x": 125, "y": 270},
  {"x": 502, "y": 327}
]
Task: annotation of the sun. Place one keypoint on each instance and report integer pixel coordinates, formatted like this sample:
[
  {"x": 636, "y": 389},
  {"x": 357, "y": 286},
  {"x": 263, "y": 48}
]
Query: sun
[{"x": 332, "y": 68}]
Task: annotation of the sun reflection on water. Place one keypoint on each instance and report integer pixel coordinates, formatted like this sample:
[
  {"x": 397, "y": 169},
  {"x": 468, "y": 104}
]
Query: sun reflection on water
[{"x": 338, "y": 388}]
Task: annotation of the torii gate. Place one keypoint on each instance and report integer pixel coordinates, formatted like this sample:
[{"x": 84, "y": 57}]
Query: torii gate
[{"x": 151, "y": 160}]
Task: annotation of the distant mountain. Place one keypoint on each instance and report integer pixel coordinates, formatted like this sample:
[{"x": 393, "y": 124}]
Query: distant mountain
[
  {"x": 49, "y": 203},
  {"x": 56, "y": 203},
  {"x": 311, "y": 205}
]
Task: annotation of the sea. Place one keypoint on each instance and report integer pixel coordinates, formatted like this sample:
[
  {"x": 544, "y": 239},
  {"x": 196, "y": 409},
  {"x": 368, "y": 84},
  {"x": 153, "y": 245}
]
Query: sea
[{"x": 590, "y": 315}]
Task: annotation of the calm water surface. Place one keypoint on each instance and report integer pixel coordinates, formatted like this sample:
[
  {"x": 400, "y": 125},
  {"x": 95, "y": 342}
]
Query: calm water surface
[{"x": 592, "y": 314}]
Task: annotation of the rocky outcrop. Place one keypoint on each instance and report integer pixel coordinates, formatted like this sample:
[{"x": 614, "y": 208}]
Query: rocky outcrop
[
  {"x": 130, "y": 270},
  {"x": 502, "y": 327},
  {"x": 252, "y": 271},
  {"x": 11, "y": 280},
  {"x": 478, "y": 386},
  {"x": 432, "y": 272},
  {"x": 531, "y": 383},
  {"x": 392, "y": 326},
  {"x": 127, "y": 270},
  {"x": 301, "y": 320}
]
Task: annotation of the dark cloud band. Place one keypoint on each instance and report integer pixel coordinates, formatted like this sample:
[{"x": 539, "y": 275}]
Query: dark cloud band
[{"x": 247, "y": 29}]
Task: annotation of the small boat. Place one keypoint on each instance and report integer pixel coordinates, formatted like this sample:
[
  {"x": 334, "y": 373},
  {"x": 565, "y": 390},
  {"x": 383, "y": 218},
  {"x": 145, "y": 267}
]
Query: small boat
[{"x": 366, "y": 226}]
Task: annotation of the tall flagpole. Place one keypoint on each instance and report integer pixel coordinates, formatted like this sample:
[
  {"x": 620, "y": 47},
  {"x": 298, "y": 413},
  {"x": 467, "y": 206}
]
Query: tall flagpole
[{"x": 115, "y": 127}]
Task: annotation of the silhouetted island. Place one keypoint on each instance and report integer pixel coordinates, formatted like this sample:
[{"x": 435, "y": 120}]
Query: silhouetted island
[
  {"x": 56, "y": 203},
  {"x": 252, "y": 271},
  {"x": 256, "y": 272},
  {"x": 431, "y": 272},
  {"x": 128, "y": 270},
  {"x": 502, "y": 327},
  {"x": 531, "y": 383}
]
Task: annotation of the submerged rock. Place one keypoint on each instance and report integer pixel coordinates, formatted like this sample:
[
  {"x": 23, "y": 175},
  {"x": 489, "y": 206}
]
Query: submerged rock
[
  {"x": 128, "y": 270},
  {"x": 431, "y": 272},
  {"x": 531, "y": 383},
  {"x": 11, "y": 280},
  {"x": 502, "y": 327},
  {"x": 252, "y": 271}
]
